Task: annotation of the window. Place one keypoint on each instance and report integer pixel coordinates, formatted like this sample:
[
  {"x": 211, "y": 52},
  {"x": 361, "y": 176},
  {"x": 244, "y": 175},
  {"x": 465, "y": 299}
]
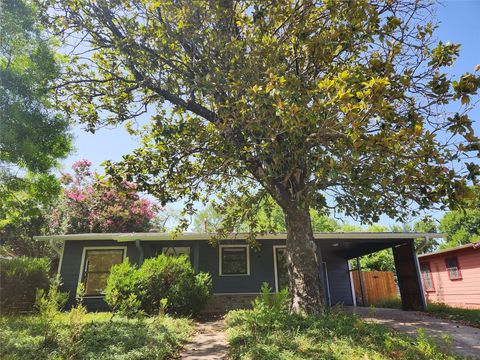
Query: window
[
  {"x": 177, "y": 251},
  {"x": 234, "y": 260},
  {"x": 427, "y": 277},
  {"x": 96, "y": 268},
  {"x": 453, "y": 268}
]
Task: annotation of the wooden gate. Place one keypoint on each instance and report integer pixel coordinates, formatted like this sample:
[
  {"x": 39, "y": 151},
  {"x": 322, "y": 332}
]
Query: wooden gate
[{"x": 377, "y": 286}]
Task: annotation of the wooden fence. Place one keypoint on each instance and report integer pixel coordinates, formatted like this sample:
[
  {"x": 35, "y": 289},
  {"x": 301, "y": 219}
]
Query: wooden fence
[{"x": 377, "y": 286}]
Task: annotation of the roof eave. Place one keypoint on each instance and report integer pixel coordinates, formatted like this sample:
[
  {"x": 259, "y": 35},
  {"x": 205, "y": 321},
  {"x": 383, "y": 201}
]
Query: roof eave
[{"x": 123, "y": 237}]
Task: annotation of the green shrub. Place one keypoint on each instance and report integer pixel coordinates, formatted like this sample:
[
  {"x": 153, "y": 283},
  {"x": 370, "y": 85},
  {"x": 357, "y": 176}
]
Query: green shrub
[
  {"x": 132, "y": 291},
  {"x": 48, "y": 305},
  {"x": 19, "y": 280}
]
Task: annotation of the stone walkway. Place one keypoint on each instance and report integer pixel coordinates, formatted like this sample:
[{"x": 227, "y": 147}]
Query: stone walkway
[
  {"x": 208, "y": 343},
  {"x": 465, "y": 339}
]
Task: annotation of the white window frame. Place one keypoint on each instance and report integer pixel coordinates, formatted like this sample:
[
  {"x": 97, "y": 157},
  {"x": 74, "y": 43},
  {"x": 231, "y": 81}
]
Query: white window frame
[
  {"x": 82, "y": 264},
  {"x": 220, "y": 270},
  {"x": 275, "y": 247}
]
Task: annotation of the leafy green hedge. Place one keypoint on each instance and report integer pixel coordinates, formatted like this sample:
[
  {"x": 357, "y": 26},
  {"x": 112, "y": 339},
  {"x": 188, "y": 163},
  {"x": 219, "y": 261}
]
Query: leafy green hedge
[
  {"x": 161, "y": 284},
  {"x": 19, "y": 280}
]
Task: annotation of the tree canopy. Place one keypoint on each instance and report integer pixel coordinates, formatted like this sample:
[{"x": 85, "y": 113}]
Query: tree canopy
[
  {"x": 310, "y": 98},
  {"x": 463, "y": 224},
  {"x": 267, "y": 220},
  {"x": 314, "y": 104},
  {"x": 93, "y": 204},
  {"x": 32, "y": 135}
]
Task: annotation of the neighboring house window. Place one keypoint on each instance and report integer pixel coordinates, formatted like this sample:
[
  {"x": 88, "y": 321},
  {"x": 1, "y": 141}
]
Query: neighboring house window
[
  {"x": 177, "y": 251},
  {"x": 234, "y": 260},
  {"x": 453, "y": 268},
  {"x": 96, "y": 268},
  {"x": 427, "y": 276}
]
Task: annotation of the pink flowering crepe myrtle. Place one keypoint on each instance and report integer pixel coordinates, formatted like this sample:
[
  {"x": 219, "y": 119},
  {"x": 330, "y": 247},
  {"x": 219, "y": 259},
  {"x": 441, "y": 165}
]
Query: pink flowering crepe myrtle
[{"x": 91, "y": 203}]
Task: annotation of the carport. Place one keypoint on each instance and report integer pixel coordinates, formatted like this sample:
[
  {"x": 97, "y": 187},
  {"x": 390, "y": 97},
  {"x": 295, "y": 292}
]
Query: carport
[{"x": 354, "y": 245}]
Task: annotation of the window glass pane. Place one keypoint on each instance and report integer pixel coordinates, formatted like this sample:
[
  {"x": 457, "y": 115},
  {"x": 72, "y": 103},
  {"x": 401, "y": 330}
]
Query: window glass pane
[
  {"x": 282, "y": 270},
  {"x": 234, "y": 260},
  {"x": 452, "y": 268},
  {"x": 97, "y": 268},
  {"x": 96, "y": 283},
  {"x": 177, "y": 251},
  {"x": 427, "y": 277},
  {"x": 102, "y": 260}
]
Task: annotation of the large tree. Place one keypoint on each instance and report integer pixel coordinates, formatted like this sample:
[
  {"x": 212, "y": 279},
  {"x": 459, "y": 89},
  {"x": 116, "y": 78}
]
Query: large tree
[
  {"x": 463, "y": 224},
  {"x": 315, "y": 104},
  {"x": 93, "y": 204},
  {"x": 32, "y": 135}
]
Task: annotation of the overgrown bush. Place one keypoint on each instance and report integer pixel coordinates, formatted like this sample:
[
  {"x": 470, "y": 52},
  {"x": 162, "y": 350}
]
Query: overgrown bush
[
  {"x": 132, "y": 291},
  {"x": 19, "y": 280}
]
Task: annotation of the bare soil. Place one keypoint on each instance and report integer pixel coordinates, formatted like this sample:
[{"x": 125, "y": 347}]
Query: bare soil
[{"x": 209, "y": 341}]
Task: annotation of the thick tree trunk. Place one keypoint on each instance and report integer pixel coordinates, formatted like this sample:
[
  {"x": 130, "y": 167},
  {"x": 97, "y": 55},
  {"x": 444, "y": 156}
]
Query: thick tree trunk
[{"x": 306, "y": 286}]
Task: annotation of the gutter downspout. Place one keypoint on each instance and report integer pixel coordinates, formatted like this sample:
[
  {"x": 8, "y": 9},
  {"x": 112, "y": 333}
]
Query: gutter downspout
[{"x": 141, "y": 253}]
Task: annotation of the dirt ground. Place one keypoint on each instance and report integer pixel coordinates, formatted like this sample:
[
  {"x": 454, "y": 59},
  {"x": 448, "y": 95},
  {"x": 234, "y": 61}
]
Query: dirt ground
[
  {"x": 209, "y": 341},
  {"x": 465, "y": 339}
]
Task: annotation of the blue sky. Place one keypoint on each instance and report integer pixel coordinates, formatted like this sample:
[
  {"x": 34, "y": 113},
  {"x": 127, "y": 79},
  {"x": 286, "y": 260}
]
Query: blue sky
[{"x": 459, "y": 23}]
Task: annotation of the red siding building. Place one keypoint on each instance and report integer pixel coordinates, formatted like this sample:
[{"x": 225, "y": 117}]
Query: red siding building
[{"x": 452, "y": 276}]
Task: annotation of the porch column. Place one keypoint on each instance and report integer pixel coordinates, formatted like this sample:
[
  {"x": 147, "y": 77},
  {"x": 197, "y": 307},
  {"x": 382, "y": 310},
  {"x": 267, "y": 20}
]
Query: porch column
[{"x": 408, "y": 276}]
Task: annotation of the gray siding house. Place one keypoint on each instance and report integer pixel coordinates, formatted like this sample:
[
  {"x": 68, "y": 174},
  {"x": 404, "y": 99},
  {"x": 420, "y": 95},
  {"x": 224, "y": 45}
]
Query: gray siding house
[{"x": 237, "y": 269}]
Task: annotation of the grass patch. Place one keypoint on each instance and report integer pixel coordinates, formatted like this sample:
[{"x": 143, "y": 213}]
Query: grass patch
[
  {"x": 469, "y": 317},
  {"x": 335, "y": 335},
  {"x": 465, "y": 316},
  {"x": 268, "y": 331},
  {"x": 100, "y": 336},
  {"x": 393, "y": 303}
]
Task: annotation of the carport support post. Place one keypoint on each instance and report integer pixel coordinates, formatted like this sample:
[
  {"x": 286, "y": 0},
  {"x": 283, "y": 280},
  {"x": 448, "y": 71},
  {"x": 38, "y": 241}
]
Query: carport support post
[
  {"x": 408, "y": 276},
  {"x": 360, "y": 281}
]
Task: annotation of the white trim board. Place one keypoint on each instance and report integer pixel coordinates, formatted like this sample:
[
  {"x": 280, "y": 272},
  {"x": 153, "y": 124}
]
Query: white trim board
[
  {"x": 82, "y": 264},
  {"x": 60, "y": 260},
  {"x": 121, "y": 237},
  {"x": 352, "y": 285},
  {"x": 220, "y": 247},
  {"x": 275, "y": 247}
]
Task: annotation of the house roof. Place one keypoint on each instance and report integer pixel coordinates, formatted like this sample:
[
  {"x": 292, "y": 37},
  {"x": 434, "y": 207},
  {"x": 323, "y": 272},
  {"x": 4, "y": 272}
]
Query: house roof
[
  {"x": 155, "y": 236},
  {"x": 457, "y": 248}
]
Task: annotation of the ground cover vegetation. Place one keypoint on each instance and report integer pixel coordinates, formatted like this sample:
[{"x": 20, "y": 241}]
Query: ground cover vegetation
[
  {"x": 269, "y": 331},
  {"x": 76, "y": 334},
  {"x": 466, "y": 316}
]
